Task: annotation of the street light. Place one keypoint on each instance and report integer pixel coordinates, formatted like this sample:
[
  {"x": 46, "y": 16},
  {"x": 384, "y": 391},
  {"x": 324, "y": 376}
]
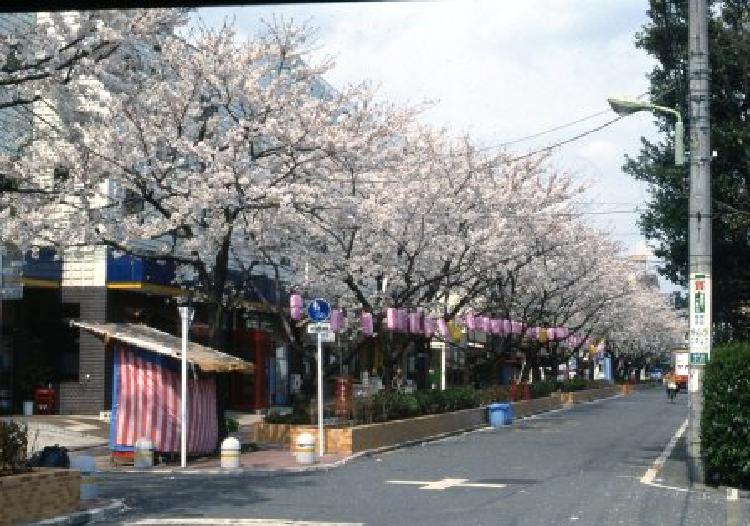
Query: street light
[{"x": 624, "y": 107}]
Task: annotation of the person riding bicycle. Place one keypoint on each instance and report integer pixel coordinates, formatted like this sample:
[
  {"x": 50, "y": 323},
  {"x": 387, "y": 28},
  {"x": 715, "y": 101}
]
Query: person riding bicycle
[{"x": 670, "y": 380}]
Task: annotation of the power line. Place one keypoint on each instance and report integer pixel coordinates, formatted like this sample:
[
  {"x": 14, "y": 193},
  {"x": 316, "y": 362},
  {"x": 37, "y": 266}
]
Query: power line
[
  {"x": 545, "y": 132},
  {"x": 567, "y": 124},
  {"x": 508, "y": 161},
  {"x": 567, "y": 141}
]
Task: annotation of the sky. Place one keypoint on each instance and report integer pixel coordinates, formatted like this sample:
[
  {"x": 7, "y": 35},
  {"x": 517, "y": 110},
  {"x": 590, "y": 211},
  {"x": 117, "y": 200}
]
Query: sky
[{"x": 499, "y": 70}]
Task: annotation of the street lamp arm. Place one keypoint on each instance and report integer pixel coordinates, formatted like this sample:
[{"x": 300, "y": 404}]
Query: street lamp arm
[{"x": 626, "y": 107}]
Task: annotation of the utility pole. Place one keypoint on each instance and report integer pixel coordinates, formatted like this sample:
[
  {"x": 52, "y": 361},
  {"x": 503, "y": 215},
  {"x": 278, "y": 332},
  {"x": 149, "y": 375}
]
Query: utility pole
[{"x": 699, "y": 258}]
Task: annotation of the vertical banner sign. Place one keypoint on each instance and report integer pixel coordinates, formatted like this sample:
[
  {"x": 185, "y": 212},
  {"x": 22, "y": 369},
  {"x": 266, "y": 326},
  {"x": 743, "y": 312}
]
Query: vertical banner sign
[{"x": 700, "y": 319}]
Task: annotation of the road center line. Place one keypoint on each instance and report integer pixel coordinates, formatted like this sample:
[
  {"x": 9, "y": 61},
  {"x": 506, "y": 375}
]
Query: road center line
[{"x": 650, "y": 475}]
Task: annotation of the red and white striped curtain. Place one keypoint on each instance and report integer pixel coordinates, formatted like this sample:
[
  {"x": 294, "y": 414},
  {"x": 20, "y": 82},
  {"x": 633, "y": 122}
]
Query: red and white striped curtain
[{"x": 146, "y": 403}]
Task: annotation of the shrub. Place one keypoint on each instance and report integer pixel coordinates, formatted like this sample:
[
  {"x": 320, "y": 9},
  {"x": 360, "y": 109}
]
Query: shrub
[
  {"x": 13, "y": 444},
  {"x": 232, "y": 424},
  {"x": 725, "y": 422},
  {"x": 544, "y": 388},
  {"x": 579, "y": 384},
  {"x": 430, "y": 402}
]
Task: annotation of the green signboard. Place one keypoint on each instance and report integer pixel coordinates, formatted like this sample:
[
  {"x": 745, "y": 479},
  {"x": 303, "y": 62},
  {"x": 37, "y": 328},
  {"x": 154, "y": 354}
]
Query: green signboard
[{"x": 698, "y": 358}]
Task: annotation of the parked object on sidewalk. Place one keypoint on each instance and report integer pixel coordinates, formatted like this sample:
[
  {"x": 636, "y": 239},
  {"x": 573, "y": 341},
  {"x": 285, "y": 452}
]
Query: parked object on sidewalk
[
  {"x": 305, "y": 448},
  {"x": 500, "y": 414},
  {"x": 230, "y": 453},
  {"x": 50, "y": 457},
  {"x": 44, "y": 399},
  {"x": 143, "y": 453},
  {"x": 87, "y": 466}
]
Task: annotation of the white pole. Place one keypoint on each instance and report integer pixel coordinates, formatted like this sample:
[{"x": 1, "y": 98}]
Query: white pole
[
  {"x": 321, "y": 435},
  {"x": 186, "y": 316},
  {"x": 443, "y": 350}
]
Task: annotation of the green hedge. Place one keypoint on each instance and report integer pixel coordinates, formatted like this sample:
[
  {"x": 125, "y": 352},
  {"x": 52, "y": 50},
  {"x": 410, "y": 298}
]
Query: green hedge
[
  {"x": 392, "y": 405},
  {"x": 725, "y": 423}
]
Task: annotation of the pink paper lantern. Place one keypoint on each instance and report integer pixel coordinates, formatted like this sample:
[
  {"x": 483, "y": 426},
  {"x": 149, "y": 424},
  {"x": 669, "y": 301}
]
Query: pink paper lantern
[
  {"x": 516, "y": 327},
  {"x": 562, "y": 332},
  {"x": 429, "y": 327},
  {"x": 496, "y": 326},
  {"x": 366, "y": 324},
  {"x": 443, "y": 328},
  {"x": 551, "y": 333},
  {"x": 337, "y": 316},
  {"x": 391, "y": 318},
  {"x": 403, "y": 320},
  {"x": 484, "y": 324},
  {"x": 471, "y": 322},
  {"x": 295, "y": 300},
  {"x": 295, "y": 304},
  {"x": 415, "y": 323},
  {"x": 507, "y": 327}
]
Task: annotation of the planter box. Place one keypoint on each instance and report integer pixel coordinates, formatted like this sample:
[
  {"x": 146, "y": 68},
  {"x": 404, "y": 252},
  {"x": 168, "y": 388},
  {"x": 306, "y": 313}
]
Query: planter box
[
  {"x": 588, "y": 395},
  {"x": 42, "y": 494},
  {"x": 349, "y": 440},
  {"x": 536, "y": 405},
  {"x": 373, "y": 436}
]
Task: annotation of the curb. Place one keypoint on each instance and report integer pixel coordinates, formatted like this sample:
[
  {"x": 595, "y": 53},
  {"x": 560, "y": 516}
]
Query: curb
[
  {"x": 104, "y": 513},
  {"x": 327, "y": 467}
]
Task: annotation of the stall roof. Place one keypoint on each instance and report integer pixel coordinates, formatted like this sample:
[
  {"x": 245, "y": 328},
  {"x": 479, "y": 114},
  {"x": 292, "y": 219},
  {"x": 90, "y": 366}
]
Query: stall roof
[{"x": 138, "y": 335}]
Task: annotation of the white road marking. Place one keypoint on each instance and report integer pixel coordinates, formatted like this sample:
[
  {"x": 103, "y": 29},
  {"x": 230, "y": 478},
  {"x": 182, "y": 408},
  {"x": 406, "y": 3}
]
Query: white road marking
[
  {"x": 732, "y": 494},
  {"x": 650, "y": 475},
  {"x": 445, "y": 483},
  {"x": 265, "y": 522}
]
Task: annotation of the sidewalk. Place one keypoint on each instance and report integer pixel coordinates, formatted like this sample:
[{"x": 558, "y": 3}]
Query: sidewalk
[
  {"x": 70, "y": 431},
  {"x": 271, "y": 458},
  {"x": 674, "y": 476}
]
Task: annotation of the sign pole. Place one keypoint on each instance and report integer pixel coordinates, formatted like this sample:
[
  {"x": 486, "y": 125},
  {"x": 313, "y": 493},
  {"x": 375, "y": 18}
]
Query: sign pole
[
  {"x": 321, "y": 434},
  {"x": 319, "y": 310}
]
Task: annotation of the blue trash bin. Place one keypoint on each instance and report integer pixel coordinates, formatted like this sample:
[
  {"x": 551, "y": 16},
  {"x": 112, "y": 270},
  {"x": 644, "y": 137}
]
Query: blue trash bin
[{"x": 500, "y": 414}]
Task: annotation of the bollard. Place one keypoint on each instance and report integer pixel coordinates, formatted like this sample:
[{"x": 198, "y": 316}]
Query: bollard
[
  {"x": 305, "y": 448},
  {"x": 230, "y": 453},
  {"x": 87, "y": 467},
  {"x": 143, "y": 453}
]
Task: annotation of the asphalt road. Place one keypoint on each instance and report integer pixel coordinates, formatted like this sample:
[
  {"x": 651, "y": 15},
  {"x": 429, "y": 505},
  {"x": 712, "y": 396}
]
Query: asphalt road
[{"x": 583, "y": 466}]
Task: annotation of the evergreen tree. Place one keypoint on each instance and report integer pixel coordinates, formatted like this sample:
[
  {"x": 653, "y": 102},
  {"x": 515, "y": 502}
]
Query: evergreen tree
[{"x": 665, "y": 37}]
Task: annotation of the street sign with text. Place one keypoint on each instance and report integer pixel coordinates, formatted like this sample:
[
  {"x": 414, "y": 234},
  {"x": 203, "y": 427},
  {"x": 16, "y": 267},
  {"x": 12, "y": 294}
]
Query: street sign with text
[
  {"x": 314, "y": 328},
  {"x": 698, "y": 358},
  {"x": 700, "y": 318}
]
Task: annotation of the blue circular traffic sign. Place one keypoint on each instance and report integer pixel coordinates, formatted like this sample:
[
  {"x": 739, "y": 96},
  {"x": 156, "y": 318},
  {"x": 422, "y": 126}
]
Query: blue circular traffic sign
[{"x": 318, "y": 310}]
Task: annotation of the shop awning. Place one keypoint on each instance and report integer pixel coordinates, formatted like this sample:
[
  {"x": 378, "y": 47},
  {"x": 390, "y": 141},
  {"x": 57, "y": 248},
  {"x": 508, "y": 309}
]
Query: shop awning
[{"x": 148, "y": 338}]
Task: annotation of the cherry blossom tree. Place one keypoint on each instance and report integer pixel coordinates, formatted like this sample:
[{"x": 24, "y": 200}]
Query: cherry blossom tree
[{"x": 209, "y": 139}]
